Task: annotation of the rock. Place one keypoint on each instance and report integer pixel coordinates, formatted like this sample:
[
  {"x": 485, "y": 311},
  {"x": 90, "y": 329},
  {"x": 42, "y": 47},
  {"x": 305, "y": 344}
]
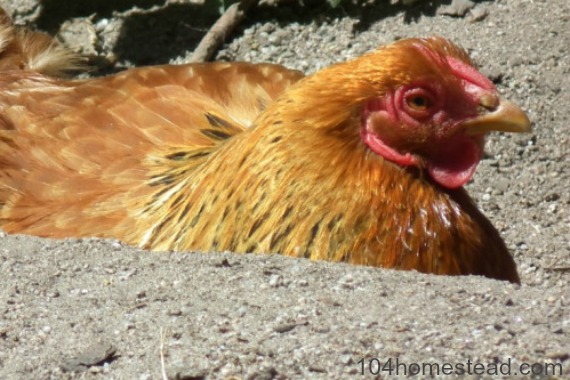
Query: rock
[
  {"x": 457, "y": 8},
  {"x": 94, "y": 355}
]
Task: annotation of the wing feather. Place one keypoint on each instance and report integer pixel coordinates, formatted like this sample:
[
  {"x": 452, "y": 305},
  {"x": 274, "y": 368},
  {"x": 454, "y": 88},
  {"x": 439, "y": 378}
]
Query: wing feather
[{"x": 82, "y": 157}]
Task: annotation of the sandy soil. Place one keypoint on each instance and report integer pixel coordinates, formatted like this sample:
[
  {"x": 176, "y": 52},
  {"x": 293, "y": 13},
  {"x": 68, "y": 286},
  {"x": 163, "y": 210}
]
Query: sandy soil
[{"x": 98, "y": 309}]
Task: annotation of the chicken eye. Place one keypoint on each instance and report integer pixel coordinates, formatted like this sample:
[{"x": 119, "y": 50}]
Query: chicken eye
[{"x": 419, "y": 102}]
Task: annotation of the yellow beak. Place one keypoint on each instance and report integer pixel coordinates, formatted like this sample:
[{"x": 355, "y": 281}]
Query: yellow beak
[{"x": 505, "y": 117}]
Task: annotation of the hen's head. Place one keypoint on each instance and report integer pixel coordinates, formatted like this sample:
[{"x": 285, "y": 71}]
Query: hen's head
[{"x": 422, "y": 103}]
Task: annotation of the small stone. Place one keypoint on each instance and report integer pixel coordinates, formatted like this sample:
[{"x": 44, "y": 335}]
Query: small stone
[
  {"x": 558, "y": 355},
  {"x": 314, "y": 368},
  {"x": 457, "y": 8},
  {"x": 180, "y": 373},
  {"x": 80, "y": 35},
  {"x": 502, "y": 185},
  {"x": 101, "y": 24},
  {"x": 95, "y": 355},
  {"x": 478, "y": 14},
  {"x": 346, "y": 359},
  {"x": 174, "y": 312},
  {"x": 263, "y": 374},
  {"x": 557, "y": 329},
  {"x": 274, "y": 280},
  {"x": 284, "y": 327}
]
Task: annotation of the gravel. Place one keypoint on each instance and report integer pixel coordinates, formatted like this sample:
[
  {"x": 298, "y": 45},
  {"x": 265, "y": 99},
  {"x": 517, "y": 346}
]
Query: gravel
[{"x": 91, "y": 308}]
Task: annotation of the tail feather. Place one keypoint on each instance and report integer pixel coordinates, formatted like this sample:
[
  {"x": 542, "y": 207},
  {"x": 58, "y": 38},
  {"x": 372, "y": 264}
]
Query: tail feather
[{"x": 24, "y": 49}]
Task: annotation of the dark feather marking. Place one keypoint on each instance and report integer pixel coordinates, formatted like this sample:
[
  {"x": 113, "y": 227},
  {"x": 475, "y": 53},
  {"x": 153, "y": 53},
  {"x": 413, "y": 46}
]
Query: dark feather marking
[
  {"x": 277, "y": 238},
  {"x": 312, "y": 237},
  {"x": 177, "y": 200},
  {"x": 178, "y": 156},
  {"x": 160, "y": 193},
  {"x": 225, "y": 214},
  {"x": 195, "y": 220},
  {"x": 275, "y": 139},
  {"x": 232, "y": 246},
  {"x": 251, "y": 248},
  {"x": 287, "y": 213},
  {"x": 159, "y": 228},
  {"x": 333, "y": 222},
  {"x": 198, "y": 154},
  {"x": 167, "y": 180},
  {"x": 260, "y": 201},
  {"x": 216, "y": 135},
  {"x": 219, "y": 226},
  {"x": 161, "y": 180},
  {"x": 184, "y": 211},
  {"x": 278, "y": 122},
  {"x": 148, "y": 207},
  {"x": 197, "y": 216},
  {"x": 345, "y": 257},
  {"x": 218, "y": 122},
  {"x": 258, "y": 223},
  {"x": 360, "y": 224},
  {"x": 261, "y": 103},
  {"x": 255, "y": 226},
  {"x": 179, "y": 233}
]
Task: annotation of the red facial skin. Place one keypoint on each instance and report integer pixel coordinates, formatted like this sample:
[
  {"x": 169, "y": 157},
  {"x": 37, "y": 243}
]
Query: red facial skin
[{"x": 420, "y": 124}]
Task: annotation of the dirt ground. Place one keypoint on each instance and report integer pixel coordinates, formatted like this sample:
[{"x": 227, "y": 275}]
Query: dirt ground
[{"x": 96, "y": 309}]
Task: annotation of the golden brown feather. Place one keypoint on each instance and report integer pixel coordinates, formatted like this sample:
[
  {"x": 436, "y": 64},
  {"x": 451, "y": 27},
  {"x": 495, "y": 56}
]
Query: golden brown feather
[
  {"x": 235, "y": 157},
  {"x": 24, "y": 49}
]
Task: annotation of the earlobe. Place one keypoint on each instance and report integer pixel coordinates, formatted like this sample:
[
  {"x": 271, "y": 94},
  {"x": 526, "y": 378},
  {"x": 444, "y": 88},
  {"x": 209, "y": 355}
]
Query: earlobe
[{"x": 370, "y": 136}]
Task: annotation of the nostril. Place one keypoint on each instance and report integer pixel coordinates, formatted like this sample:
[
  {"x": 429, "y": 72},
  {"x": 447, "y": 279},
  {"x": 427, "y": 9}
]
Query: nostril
[{"x": 489, "y": 101}]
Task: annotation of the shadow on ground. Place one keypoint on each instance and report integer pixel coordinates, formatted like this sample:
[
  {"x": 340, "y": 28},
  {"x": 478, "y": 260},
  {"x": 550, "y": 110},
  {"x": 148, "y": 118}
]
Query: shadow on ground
[{"x": 163, "y": 31}]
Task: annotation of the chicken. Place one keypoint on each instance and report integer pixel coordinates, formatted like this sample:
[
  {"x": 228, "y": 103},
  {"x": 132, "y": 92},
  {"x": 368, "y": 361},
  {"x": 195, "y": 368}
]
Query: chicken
[{"x": 363, "y": 162}]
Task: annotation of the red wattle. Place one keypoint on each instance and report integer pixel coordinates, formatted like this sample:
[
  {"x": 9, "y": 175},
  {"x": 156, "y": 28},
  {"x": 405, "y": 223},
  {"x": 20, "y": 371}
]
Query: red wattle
[{"x": 453, "y": 166}]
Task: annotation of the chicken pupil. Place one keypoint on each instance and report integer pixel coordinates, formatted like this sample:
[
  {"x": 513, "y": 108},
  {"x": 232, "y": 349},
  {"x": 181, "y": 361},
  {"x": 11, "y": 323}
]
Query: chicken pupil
[{"x": 420, "y": 102}]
